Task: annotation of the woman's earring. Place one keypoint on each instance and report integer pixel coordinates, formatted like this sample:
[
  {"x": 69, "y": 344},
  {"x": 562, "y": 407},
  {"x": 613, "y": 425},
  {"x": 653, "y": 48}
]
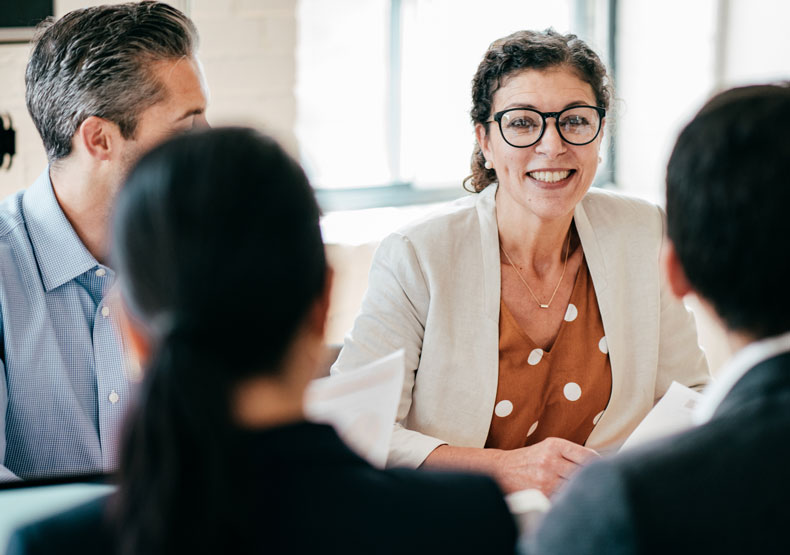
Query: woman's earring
[
  {"x": 488, "y": 165},
  {"x": 600, "y": 159}
]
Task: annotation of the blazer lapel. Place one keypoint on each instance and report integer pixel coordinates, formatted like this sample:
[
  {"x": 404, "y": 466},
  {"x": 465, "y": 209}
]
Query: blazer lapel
[
  {"x": 593, "y": 242},
  {"x": 489, "y": 252},
  {"x": 486, "y": 350}
]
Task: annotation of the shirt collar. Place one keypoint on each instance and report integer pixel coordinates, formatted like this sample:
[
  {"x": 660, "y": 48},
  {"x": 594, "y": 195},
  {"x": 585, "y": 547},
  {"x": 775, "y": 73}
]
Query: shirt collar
[
  {"x": 737, "y": 367},
  {"x": 59, "y": 252}
]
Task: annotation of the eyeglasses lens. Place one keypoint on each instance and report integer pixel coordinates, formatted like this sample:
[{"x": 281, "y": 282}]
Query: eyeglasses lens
[{"x": 577, "y": 126}]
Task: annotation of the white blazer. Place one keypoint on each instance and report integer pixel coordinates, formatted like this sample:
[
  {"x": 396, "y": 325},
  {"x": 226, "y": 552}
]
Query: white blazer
[{"x": 434, "y": 290}]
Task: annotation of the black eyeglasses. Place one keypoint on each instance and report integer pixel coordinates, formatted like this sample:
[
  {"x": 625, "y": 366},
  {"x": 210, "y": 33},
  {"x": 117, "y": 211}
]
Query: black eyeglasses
[{"x": 523, "y": 127}]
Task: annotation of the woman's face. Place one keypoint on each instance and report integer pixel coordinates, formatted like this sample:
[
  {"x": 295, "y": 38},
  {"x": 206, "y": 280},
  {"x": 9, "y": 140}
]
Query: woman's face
[{"x": 550, "y": 177}]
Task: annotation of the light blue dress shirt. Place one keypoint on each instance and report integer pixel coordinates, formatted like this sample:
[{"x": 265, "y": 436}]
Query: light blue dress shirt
[{"x": 63, "y": 378}]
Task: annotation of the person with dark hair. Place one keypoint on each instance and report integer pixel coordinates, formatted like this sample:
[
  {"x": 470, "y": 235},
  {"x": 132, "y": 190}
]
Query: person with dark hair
[
  {"x": 533, "y": 315},
  {"x": 722, "y": 486},
  {"x": 104, "y": 84},
  {"x": 217, "y": 456}
]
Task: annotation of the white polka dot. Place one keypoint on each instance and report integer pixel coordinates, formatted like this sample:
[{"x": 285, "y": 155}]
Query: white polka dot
[
  {"x": 603, "y": 346},
  {"x": 597, "y": 418},
  {"x": 572, "y": 391},
  {"x": 571, "y": 313},
  {"x": 532, "y": 428},
  {"x": 503, "y": 408},
  {"x": 535, "y": 356}
]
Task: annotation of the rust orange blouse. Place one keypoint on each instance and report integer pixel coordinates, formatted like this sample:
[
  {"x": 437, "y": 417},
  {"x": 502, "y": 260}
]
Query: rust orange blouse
[{"x": 558, "y": 393}]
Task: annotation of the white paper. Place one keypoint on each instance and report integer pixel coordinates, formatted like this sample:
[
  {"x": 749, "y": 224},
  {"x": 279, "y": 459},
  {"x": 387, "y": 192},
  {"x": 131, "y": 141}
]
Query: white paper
[
  {"x": 527, "y": 507},
  {"x": 360, "y": 405},
  {"x": 673, "y": 413}
]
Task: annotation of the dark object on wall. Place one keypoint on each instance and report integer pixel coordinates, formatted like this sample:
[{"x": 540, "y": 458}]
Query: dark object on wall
[
  {"x": 17, "y": 19},
  {"x": 7, "y": 141}
]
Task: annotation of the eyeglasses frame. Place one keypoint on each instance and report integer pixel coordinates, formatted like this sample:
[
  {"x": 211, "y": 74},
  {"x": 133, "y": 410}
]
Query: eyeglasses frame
[{"x": 556, "y": 115}]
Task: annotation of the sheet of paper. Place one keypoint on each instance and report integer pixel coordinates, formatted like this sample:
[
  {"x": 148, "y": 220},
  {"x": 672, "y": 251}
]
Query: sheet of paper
[
  {"x": 527, "y": 507},
  {"x": 673, "y": 413},
  {"x": 361, "y": 405}
]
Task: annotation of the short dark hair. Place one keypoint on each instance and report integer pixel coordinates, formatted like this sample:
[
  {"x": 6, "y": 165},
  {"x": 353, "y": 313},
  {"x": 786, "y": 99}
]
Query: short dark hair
[
  {"x": 217, "y": 244},
  {"x": 728, "y": 193},
  {"x": 524, "y": 50},
  {"x": 96, "y": 62}
]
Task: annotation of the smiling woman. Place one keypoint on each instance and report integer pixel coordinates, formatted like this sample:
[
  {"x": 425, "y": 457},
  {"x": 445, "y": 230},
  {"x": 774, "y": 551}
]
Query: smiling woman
[
  {"x": 521, "y": 365},
  {"x": 540, "y": 170}
]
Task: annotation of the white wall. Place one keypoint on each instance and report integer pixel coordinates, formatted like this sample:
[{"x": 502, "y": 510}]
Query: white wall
[
  {"x": 665, "y": 68},
  {"x": 758, "y": 41},
  {"x": 248, "y": 50},
  {"x": 672, "y": 56},
  {"x": 30, "y": 158}
]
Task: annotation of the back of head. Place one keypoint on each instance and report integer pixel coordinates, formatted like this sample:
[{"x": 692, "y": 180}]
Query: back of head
[
  {"x": 94, "y": 62},
  {"x": 728, "y": 194},
  {"x": 526, "y": 50},
  {"x": 219, "y": 254},
  {"x": 217, "y": 233}
]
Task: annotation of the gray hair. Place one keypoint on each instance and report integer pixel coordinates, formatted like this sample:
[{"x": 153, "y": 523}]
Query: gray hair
[{"x": 96, "y": 62}]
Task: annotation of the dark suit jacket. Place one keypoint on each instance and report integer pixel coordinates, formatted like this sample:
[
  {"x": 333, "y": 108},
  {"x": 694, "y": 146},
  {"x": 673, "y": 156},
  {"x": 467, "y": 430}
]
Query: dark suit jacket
[
  {"x": 723, "y": 487},
  {"x": 316, "y": 496}
]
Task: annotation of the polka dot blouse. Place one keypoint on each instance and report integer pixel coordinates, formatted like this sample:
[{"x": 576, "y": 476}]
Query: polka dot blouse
[{"x": 558, "y": 393}]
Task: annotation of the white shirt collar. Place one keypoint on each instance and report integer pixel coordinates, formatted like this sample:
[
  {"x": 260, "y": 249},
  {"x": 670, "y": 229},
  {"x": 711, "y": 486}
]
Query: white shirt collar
[{"x": 735, "y": 368}]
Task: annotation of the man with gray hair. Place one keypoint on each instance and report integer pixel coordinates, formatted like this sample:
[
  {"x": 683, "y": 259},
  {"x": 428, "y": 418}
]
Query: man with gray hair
[{"x": 104, "y": 84}]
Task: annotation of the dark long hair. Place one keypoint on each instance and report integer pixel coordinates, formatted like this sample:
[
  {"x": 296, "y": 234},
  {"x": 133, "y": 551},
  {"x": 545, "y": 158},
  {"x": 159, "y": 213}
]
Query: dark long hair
[{"x": 217, "y": 245}]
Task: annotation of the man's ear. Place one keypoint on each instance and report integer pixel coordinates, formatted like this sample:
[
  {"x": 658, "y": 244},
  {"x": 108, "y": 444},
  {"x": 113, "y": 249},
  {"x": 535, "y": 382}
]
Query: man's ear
[
  {"x": 98, "y": 137},
  {"x": 673, "y": 269},
  {"x": 320, "y": 310}
]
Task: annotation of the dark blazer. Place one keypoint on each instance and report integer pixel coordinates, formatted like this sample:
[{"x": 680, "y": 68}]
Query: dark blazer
[
  {"x": 316, "y": 496},
  {"x": 723, "y": 487}
]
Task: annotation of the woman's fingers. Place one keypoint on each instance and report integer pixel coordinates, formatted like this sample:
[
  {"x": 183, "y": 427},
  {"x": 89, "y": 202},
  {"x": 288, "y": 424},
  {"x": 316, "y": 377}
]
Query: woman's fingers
[
  {"x": 565, "y": 468},
  {"x": 545, "y": 465},
  {"x": 576, "y": 453}
]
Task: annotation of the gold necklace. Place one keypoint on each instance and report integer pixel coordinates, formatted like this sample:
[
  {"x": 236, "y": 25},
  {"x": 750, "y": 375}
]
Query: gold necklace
[{"x": 564, "y": 265}]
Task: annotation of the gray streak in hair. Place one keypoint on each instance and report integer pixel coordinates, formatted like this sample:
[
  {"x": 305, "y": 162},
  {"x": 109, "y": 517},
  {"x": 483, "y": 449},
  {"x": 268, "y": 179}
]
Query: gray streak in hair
[{"x": 97, "y": 62}]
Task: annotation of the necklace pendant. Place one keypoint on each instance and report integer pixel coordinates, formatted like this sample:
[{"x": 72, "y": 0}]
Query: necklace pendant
[{"x": 544, "y": 306}]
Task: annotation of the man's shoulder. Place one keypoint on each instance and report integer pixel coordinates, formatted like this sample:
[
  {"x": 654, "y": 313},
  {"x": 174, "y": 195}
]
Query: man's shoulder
[
  {"x": 712, "y": 452},
  {"x": 591, "y": 515},
  {"x": 11, "y": 216},
  {"x": 731, "y": 469}
]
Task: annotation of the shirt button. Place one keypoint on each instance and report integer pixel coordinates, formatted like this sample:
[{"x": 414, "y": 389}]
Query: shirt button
[
  {"x": 101, "y": 272},
  {"x": 105, "y": 311},
  {"x": 113, "y": 397}
]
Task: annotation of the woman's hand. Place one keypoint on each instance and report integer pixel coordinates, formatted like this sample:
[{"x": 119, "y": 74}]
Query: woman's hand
[{"x": 544, "y": 466}]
